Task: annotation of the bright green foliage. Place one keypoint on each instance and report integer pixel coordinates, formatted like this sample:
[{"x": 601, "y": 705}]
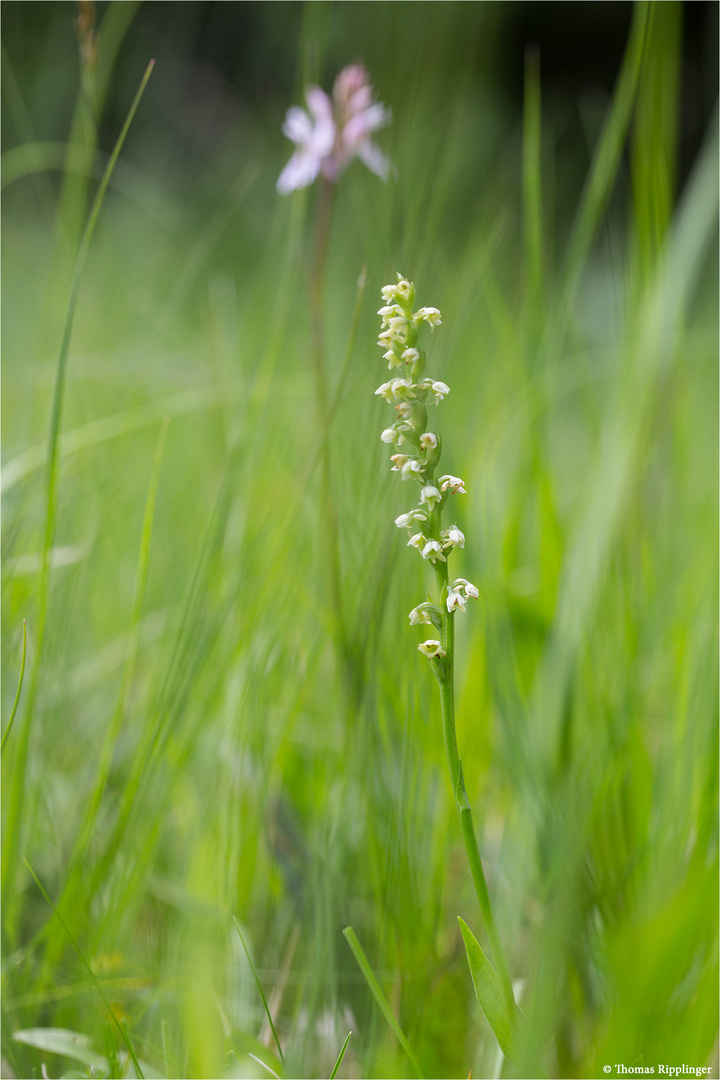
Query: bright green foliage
[{"x": 192, "y": 749}]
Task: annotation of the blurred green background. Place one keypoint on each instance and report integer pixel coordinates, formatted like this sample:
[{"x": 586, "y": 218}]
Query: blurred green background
[{"x": 187, "y": 748}]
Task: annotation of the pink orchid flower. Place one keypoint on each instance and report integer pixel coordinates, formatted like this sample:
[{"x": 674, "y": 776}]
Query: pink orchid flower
[{"x": 334, "y": 131}]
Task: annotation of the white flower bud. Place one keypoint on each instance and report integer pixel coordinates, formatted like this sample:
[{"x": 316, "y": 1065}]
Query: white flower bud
[
  {"x": 402, "y": 289},
  {"x": 389, "y": 435},
  {"x": 428, "y": 441},
  {"x": 406, "y": 520},
  {"x": 418, "y": 615},
  {"x": 410, "y": 356},
  {"x": 430, "y": 495},
  {"x": 431, "y": 648}
]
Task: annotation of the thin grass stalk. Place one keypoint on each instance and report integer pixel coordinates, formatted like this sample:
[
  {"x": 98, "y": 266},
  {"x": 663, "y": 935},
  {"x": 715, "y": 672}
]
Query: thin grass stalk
[
  {"x": 14, "y": 816},
  {"x": 328, "y": 509}
]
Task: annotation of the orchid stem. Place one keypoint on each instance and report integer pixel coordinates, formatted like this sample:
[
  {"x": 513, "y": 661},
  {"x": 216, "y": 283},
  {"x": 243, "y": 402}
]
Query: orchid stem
[{"x": 444, "y": 670}]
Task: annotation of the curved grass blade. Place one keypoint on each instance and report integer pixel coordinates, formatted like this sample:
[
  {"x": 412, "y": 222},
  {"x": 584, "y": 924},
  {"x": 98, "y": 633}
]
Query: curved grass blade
[
  {"x": 364, "y": 965},
  {"x": 17, "y": 696},
  {"x": 123, "y": 1034},
  {"x": 266, "y": 1067},
  {"x": 260, "y": 989},
  {"x": 340, "y": 1056}
]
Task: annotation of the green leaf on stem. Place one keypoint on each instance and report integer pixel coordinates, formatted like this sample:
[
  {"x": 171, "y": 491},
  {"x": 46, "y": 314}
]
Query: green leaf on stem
[{"x": 489, "y": 992}]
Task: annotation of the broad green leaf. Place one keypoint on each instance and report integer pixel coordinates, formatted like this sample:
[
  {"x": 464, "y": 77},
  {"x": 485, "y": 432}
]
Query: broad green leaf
[
  {"x": 488, "y": 990},
  {"x": 62, "y": 1041}
]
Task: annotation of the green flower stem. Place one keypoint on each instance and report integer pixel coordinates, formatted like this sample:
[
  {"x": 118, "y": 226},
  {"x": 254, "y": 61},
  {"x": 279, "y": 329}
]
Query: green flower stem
[{"x": 444, "y": 670}]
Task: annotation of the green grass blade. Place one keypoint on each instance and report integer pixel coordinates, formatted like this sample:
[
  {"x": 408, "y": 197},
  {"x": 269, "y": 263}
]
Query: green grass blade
[
  {"x": 116, "y": 724},
  {"x": 17, "y": 695},
  {"x": 123, "y": 1034},
  {"x": 609, "y": 150},
  {"x": 364, "y": 965},
  {"x": 260, "y": 990},
  {"x": 532, "y": 184},
  {"x": 14, "y": 813},
  {"x": 340, "y": 1056}
]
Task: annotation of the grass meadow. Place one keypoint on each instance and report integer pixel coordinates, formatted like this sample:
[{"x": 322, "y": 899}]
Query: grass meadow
[{"x": 189, "y": 749}]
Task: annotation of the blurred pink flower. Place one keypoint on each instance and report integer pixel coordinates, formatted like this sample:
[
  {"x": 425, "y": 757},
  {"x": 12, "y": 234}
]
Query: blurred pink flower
[{"x": 334, "y": 131}]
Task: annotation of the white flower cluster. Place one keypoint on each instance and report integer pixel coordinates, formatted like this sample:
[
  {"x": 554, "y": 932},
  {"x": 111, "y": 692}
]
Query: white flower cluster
[{"x": 411, "y": 392}]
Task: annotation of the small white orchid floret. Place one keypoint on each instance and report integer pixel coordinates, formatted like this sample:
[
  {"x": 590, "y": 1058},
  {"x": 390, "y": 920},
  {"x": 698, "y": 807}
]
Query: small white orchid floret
[
  {"x": 410, "y": 356},
  {"x": 389, "y": 435},
  {"x": 438, "y": 391},
  {"x": 402, "y": 289},
  {"x": 430, "y": 315},
  {"x": 396, "y": 389},
  {"x": 385, "y": 339},
  {"x": 462, "y": 585},
  {"x": 404, "y": 410},
  {"x": 453, "y": 484},
  {"x": 428, "y": 441},
  {"x": 455, "y": 601},
  {"x": 431, "y": 648},
  {"x": 417, "y": 541},
  {"x": 412, "y": 467},
  {"x": 453, "y": 537},
  {"x": 433, "y": 551},
  {"x": 430, "y": 495},
  {"x": 419, "y": 615},
  {"x": 402, "y": 388},
  {"x": 389, "y": 312},
  {"x": 406, "y": 520},
  {"x": 397, "y": 323},
  {"x": 399, "y": 461}
]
